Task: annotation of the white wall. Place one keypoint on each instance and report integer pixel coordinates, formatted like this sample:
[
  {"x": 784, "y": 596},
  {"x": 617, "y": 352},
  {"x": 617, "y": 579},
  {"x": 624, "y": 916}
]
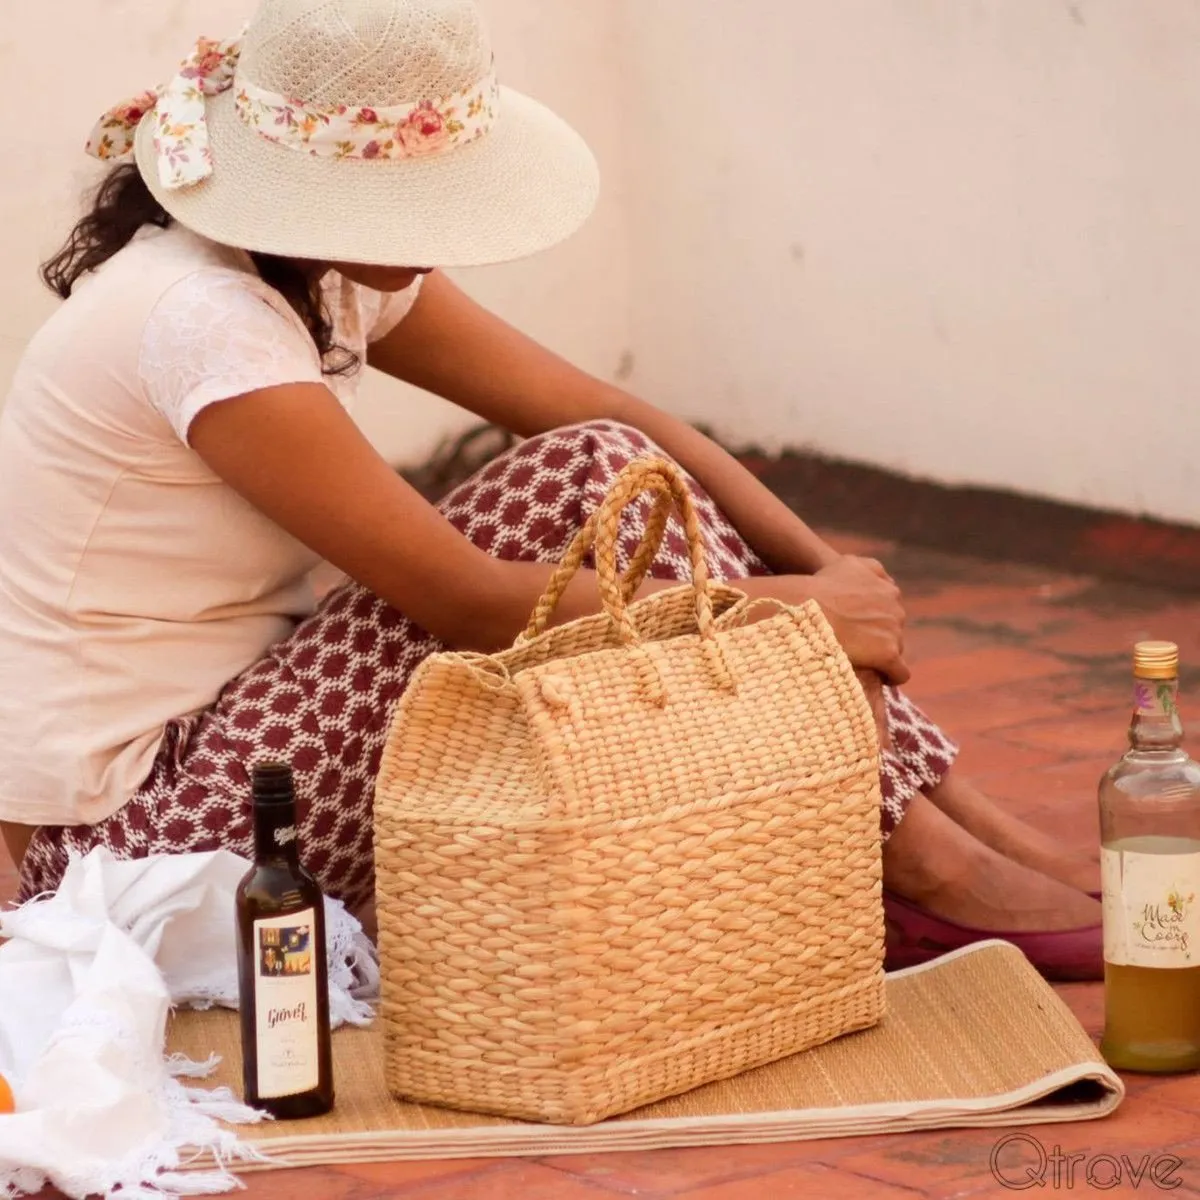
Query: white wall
[
  {"x": 956, "y": 237},
  {"x": 575, "y": 298}
]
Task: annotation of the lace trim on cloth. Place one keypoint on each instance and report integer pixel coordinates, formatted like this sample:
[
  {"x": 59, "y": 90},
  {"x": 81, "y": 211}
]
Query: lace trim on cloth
[
  {"x": 220, "y": 333},
  {"x": 353, "y": 974},
  {"x": 191, "y": 1125},
  {"x": 383, "y": 311},
  {"x": 217, "y": 334}
]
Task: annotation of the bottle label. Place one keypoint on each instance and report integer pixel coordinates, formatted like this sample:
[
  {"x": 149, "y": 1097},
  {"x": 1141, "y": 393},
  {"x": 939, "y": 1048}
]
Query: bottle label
[
  {"x": 285, "y": 1001},
  {"x": 1155, "y": 697},
  {"x": 1151, "y": 908}
]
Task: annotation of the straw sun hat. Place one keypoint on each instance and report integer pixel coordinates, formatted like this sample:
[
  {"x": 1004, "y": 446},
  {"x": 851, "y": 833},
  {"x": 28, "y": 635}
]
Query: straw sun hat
[{"x": 368, "y": 131}]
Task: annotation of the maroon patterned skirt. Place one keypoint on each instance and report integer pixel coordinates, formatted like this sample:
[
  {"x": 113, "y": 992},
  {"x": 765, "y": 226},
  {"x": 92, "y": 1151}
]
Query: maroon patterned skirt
[{"x": 322, "y": 698}]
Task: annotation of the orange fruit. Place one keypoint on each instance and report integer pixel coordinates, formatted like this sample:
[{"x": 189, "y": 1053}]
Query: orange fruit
[{"x": 7, "y": 1104}]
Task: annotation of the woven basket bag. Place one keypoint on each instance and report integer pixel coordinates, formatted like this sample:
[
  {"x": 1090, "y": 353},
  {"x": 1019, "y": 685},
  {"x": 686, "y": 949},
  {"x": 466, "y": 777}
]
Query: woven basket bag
[{"x": 632, "y": 855}]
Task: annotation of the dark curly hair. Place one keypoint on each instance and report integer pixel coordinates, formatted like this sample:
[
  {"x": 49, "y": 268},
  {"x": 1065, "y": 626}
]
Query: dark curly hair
[{"x": 123, "y": 204}]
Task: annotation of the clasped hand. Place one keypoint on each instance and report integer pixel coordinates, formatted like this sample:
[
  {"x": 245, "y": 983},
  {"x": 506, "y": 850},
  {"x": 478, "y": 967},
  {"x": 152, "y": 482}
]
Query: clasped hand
[{"x": 861, "y": 602}]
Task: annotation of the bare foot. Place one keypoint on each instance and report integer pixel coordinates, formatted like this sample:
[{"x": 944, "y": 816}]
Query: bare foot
[
  {"x": 1010, "y": 836},
  {"x": 934, "y": 862}
]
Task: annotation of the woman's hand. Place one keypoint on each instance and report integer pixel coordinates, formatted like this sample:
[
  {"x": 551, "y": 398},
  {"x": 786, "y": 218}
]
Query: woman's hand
[{"x": 862, "y": 603}]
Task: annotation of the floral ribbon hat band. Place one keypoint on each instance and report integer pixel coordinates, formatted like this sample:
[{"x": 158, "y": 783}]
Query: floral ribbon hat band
[
  {"x": 366, "y": 131},
  {"x": 418, "y": 129}
]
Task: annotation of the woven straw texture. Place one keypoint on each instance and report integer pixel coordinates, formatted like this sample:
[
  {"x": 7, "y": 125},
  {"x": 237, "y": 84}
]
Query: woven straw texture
[
  {"x": 635, "y": 854},
  {"x": 976, "y": 1039},
  {"x": 530, "y": 183}
]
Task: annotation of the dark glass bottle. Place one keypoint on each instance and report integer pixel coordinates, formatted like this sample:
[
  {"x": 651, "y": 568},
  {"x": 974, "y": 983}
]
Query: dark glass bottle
[{"x": 283, "y": 973}]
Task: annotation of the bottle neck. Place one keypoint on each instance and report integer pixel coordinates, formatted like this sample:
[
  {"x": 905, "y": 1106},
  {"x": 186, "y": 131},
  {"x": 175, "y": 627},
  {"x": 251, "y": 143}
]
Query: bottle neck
[
  {"x": 1156, "y": 724},
  {"x": 275, "y": 832}
]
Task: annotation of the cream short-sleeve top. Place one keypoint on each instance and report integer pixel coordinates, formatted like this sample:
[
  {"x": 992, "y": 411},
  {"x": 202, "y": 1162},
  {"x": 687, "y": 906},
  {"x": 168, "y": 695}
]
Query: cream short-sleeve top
[{"x": 134, "y": 583}]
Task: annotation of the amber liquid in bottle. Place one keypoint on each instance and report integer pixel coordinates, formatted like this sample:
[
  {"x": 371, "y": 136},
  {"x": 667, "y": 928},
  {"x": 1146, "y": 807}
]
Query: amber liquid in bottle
[
  {"x": 282, "y": 967},
  {"x": 1150, "y": 860}
]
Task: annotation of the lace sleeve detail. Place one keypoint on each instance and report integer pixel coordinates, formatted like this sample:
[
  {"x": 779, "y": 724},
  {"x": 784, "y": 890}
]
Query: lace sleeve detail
[
  {"x": 218, "y": 334},
  {"x": 384, "y": 311}
]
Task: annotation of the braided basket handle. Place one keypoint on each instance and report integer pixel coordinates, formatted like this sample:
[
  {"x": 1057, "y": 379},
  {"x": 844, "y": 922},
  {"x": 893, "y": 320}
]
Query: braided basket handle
[
  {"x": 602, "y": 531},
  {"x": 585, "y": 540}
]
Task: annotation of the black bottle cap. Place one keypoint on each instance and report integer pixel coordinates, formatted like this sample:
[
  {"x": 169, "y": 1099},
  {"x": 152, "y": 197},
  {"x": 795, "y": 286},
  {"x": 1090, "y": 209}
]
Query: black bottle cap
[{"x": 272, "y": 783}]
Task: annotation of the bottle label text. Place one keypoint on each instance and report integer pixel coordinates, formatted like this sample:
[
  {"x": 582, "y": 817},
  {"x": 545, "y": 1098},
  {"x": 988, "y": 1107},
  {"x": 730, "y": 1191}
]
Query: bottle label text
[
  {"x": 1151, "y": 908},
  {"x": 285, "y": 1002}
]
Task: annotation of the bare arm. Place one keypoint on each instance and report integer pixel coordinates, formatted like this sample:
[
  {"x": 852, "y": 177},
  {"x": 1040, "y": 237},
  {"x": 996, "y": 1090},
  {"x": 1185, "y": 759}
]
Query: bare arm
[
  {"x": 453, "y": 347},
  {"x": 295, "y": 454}
]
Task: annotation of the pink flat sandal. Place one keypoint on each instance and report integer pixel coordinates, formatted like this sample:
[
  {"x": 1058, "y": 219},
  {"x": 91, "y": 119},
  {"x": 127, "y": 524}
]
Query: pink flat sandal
[{"x": 916, "y": 936}]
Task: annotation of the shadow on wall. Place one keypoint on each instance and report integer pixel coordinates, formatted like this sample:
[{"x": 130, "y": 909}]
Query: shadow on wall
[{"x": 853, "y": 498}]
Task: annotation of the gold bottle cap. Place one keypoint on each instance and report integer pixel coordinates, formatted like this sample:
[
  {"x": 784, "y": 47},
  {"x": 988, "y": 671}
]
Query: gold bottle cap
[{"x": 1156, "y": 660}]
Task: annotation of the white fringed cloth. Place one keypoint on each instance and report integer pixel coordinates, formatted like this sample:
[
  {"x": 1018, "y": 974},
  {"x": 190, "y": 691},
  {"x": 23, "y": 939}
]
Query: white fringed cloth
[{"x": 87, "y": 980}]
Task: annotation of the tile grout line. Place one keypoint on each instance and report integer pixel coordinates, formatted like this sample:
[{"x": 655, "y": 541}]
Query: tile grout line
[
  {"x": 596, "y": 1185},
  {"x": 424, "y": 1186},
  {"x": 916, "y": 1191}
]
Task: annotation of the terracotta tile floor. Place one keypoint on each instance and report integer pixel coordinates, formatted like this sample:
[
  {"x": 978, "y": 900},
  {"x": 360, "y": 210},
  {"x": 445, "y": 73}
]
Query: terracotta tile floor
[{"x": 1029, "y": 669}]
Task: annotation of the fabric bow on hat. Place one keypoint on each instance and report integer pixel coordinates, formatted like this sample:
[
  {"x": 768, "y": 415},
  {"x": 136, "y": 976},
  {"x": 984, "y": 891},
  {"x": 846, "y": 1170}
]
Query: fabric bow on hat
[
  {"x": 181, "y": 129},
  {"x": 385, "y": 123},
  {"x": 420, "y": 128}
]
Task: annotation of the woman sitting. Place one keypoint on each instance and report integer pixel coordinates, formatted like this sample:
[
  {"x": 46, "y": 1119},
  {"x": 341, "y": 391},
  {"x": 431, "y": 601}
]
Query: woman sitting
[{"x": 177, "y": 456}]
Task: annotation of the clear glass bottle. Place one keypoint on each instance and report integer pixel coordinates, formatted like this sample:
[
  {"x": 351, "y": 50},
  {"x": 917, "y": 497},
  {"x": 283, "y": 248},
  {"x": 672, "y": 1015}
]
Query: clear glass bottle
[
  {"x": 1150, "y": 865},
  {"x": 287, "y": 1059}
]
